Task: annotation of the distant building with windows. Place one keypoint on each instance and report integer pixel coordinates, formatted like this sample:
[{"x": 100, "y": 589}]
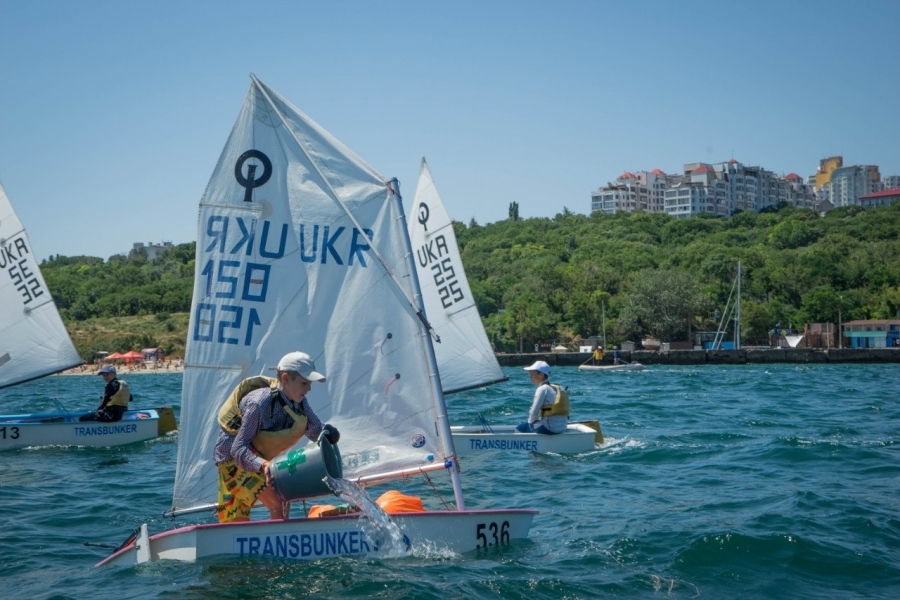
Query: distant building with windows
[
  {"x": 882, "y": 198},
  {"x": 632, "y": 191},
  {"x": 848, "y": 184},
  {"x": 879, "y": 333},
  {"x": 720, "y": 189},
  {"x": 153, "y": 250},
  {"x": 827, "y": 166}
]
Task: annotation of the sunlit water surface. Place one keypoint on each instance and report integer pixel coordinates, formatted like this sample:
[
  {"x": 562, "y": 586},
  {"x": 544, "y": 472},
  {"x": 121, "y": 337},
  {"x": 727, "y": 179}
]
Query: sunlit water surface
[{"x": 758, "y": 481}]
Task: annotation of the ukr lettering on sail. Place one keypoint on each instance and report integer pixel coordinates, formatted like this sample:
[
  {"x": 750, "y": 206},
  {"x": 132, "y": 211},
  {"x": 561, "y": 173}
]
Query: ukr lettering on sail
[
  {"x": 436, "y": 253},
  {"x": 14, "y": 259},
  {"x": 243, "y": 255}
]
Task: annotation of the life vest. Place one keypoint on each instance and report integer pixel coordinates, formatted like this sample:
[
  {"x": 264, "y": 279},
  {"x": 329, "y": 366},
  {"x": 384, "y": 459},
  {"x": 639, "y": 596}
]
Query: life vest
[
  {"x": 122, "y": 397},
  {"x": 560, "y": 406},
  {"x": 268, "y": 444}
]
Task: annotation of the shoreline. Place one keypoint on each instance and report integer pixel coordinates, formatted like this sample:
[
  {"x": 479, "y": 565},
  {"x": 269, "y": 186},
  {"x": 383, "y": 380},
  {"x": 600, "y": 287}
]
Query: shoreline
[
  {"x": 743, "y": 356},
  {"x": 80, "y": 371}
]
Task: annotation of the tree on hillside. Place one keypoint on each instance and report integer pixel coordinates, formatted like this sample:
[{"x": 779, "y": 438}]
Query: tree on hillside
[
  {"x": 663, "y": 304},
  {"x": 513, "y": 211}
]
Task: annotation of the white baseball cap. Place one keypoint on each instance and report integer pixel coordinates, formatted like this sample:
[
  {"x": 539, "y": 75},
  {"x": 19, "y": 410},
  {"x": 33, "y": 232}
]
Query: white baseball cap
[
  {"x": 300, "y": 362},
  {"x": 541, "y": 366}
]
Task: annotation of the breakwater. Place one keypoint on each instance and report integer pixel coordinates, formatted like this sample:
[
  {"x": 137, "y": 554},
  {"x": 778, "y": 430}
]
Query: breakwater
[{"x": 744, "y": 356}]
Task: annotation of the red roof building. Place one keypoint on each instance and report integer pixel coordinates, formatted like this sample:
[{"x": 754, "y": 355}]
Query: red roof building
[{"x": 882, "y": 198}]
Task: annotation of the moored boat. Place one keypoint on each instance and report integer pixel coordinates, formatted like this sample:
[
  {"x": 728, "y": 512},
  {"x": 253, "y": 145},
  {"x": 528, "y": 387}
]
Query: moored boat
[{"x": 632, "y": 366}]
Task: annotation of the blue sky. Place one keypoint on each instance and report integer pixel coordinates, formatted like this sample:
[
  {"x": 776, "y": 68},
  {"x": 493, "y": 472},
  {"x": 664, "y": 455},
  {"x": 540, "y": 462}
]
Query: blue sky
[{"x": 113, "y": 113}]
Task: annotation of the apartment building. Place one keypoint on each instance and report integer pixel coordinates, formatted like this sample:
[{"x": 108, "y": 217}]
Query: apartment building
[
  {"x": 848, "y": 184},
  {"x": 632, "y": 191},
  {"x": 721, "y": 189}
]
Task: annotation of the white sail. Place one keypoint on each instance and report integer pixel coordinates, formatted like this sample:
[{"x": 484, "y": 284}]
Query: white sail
[
  {"x": 464, "y": 355},
  {"x": 33, "y": 340},
  {"x": 302, "y": 246}
]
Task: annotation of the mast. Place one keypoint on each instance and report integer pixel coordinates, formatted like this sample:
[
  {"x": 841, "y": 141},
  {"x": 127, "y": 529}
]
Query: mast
[
  {"x": 603, "y": 320},
  {"x": 440, "y": 406},
  {"x": 737, "y": 312}
]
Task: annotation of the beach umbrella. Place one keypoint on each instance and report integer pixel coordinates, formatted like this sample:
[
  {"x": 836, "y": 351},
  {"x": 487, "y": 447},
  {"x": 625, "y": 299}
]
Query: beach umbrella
[{"x": 132, "y": 356}]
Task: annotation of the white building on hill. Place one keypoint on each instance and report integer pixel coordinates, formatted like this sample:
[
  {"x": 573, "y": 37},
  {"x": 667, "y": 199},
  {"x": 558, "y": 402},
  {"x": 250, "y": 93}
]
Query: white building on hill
[{"x": 720, "y": 189}]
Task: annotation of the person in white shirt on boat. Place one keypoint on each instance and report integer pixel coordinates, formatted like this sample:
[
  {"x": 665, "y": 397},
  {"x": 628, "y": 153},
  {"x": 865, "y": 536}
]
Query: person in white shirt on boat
[
  {"x": 261, "y": 419},
  {"x": 546, "y": 414},
  {"x": 114, "y": 402}
]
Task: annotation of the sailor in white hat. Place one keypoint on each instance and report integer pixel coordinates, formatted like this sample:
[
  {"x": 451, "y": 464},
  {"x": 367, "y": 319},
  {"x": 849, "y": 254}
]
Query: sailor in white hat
[{"x": 549, "y": 411}]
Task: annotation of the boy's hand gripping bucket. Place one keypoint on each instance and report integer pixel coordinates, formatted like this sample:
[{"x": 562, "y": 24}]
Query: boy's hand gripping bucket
[{"x": 298, "y": 473}]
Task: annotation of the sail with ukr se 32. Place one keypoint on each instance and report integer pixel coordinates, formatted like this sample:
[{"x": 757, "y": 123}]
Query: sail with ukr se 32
[
  {"x": 33, "y": 340},
  {"x": 301, "y": 245},
  {"x": 464, "y": 355}
]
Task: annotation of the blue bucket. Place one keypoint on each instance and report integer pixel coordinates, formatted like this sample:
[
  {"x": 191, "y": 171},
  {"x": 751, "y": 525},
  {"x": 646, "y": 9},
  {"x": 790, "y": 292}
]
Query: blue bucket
[{"x": 299, "y": 473}]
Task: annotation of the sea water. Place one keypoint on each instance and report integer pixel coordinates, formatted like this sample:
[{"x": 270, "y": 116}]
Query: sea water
[{"x": 754, "y": 481}]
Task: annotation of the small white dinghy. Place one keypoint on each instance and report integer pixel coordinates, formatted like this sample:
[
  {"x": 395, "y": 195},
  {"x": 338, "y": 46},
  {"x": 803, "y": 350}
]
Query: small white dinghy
[
  {"x": 59, "y": 429},
  {"x": 464, "y": 355},
  {"x": 317, "y": 255},
  {"x": 632, "y": 366},
  {"x": 35, "y": 344},
  {"x": 477, "y": 439}
]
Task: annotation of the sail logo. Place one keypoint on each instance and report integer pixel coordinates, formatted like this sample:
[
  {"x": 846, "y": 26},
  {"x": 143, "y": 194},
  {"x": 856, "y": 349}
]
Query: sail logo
[
  {"x": 436, "y": 253},
  {"x": 418, "y": 440},
  {"x": 14, "y": 259},
  {"x": 250, "y": 181},
  {"x": 424, "y": 213}
]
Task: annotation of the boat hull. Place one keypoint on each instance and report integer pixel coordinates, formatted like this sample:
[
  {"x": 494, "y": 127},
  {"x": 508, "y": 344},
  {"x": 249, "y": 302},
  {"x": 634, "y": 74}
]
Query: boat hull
[
  {"x": 58, "y": 429},
  {"x": 325, "y": 537},
  {"x": 470, "y": 440},
  {"x": 633, "y": 366}
]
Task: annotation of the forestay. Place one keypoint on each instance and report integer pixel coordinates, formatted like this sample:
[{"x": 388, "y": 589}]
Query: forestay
[
  {"x": 286, "y": 260},
  {"x": 33, "y": 340},
  {"x": 464, "y": 355}
]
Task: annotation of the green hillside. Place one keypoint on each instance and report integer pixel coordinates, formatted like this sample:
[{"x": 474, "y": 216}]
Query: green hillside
[{"x": 548, "y": 280}]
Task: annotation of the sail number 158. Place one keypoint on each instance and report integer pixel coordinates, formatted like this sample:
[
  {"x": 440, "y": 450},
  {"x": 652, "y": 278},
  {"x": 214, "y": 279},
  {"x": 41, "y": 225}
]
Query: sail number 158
[{"x": 490, "y": 535}]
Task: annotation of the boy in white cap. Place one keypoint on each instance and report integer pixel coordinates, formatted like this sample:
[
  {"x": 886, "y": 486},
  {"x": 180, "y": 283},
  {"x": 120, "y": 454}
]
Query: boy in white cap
[
  {"x": 114, "y": 402},
  {"x": 262, "y": 418},
  {"x": 549, "y": 411}
]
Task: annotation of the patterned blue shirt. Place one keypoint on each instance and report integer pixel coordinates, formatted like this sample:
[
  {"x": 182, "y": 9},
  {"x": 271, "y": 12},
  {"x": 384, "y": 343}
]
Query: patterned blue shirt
[{"x": 261, "y": 412}]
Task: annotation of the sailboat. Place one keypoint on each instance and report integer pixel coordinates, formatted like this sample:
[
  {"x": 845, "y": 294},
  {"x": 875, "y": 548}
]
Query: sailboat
[
  {"x": 35, "y": 344},
  {"x": 303, "y": 245},
  {"x": 464, "y": 355}
]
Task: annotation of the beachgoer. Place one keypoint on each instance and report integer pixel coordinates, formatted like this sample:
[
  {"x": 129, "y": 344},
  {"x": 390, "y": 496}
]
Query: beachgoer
[
  {"x": 114, "y": 401},
  {"x": 549, "y": 411},
  {"x": 261, "y": 419}
]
